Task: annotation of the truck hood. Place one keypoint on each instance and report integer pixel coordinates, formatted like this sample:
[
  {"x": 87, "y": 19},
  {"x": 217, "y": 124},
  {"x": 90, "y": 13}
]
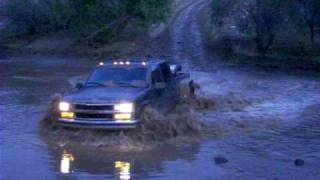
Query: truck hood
[{"x": 105, "y": 95}]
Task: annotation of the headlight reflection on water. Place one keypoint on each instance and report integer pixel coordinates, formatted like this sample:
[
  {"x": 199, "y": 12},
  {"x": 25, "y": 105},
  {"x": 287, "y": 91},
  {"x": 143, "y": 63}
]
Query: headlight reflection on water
[
  {"x": 122, "y": 169},
  {"x": 66, "y": 163}
]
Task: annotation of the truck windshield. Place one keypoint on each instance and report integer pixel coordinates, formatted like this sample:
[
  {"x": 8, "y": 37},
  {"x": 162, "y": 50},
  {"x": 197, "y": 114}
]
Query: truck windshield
[{"x": 118, "y": 76}]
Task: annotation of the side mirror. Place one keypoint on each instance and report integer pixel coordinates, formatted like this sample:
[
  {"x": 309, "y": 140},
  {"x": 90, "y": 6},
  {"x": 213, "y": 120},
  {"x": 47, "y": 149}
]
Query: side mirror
[
  {"x": 79, "y": 86},
  {"x": 175, "y": 68},
  {"x": 179, "y": 68},
  {"x": 160, "y": 85}
]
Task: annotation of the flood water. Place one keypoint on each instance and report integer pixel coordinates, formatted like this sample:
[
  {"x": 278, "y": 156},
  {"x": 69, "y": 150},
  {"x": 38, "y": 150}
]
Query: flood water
[
  {"x": 27, "y": 85},
  {"x": 278, "y": 123}
]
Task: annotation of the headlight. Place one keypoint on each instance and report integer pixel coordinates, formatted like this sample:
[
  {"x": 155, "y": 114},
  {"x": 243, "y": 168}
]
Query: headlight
[
  {"x": 64, "y": 106},
  {"x": 124, "y": 107}
]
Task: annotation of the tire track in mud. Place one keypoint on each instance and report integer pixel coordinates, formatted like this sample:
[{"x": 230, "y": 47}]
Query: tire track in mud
[{"x": 186, "y": 37}]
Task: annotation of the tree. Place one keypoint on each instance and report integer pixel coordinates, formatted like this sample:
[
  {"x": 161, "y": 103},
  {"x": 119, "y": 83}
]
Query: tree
[
  {"x": 220, "y": 9},
  {"x": 309, "y": 11},
  {"x": 260, "y": 19},
  {"x": 265, "y": 20}
]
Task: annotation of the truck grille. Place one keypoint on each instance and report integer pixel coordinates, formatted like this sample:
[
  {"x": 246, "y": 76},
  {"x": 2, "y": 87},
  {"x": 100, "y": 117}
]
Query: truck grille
[
  {"x": 93, "y": 107},
  {"x": 94, "y": 116},
  {"x": 93, "y": 111}
]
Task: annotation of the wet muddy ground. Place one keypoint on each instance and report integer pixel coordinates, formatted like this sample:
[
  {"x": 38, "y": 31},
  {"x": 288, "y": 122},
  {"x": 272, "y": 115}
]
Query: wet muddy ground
[{"x": 259, "y": 121}]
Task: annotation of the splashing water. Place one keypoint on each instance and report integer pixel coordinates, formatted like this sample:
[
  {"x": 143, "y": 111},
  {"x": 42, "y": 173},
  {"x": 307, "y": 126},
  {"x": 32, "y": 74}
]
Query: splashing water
[{"x": 156, "y": 128}]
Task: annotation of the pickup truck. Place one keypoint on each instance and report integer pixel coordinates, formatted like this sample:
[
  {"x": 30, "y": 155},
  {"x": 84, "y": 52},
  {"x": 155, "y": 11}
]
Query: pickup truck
[{"x": 117, "y": 91}]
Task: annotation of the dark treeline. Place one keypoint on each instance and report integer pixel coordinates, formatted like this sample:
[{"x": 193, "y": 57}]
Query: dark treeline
[
  {"x": 85, "y": 19},
  {"x": 270, "y": 26}
]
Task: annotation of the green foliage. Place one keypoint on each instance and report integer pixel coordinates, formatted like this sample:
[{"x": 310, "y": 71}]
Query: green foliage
[
  {"x": 89, "y": 16},
  {"x": 25, "y": 15},
  {"x": 82, "y": 18},
  {"x": 149, "y": 11},
  {"x": 265, "y": 22},
  {"x": 59, "y": 13},
  {"x": 306, "y": 14},
  {"x": 220, "y": 9}
]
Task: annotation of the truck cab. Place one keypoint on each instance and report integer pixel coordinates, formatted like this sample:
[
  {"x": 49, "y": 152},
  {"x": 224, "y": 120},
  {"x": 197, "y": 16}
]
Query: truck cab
[{"x": 117, "y": 91}]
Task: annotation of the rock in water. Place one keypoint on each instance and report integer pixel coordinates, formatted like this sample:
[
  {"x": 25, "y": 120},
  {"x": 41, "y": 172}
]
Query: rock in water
[
  {"x": 220, "y": 160},
  {"x": 299, "y": 162}
]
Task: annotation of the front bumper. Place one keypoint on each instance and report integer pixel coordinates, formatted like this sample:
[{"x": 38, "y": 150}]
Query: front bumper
[{"x": 99, "y": 124}]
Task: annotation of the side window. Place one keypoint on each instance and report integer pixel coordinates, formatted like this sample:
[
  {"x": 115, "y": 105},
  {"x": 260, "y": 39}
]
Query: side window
[
  {"x": 165, "y": 69},
  {"x": 156, "y": 76}
]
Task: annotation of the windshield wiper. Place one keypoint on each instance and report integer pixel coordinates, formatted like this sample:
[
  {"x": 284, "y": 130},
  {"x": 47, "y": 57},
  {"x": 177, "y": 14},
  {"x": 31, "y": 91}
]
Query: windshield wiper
[{"x": 96, "y": 83}]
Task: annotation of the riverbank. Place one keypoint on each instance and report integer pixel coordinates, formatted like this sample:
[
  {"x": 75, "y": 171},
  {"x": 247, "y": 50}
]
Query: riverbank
[{"x": 60, "y": 44}]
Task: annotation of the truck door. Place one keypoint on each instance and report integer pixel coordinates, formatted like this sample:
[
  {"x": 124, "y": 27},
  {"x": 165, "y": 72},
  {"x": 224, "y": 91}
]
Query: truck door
[
  {"x": 171, "y": 90},
  {"x": 157, "y": 77}
]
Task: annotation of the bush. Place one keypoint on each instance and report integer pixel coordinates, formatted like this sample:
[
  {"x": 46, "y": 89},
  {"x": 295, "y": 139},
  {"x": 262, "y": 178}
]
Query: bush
[
  {"x": 149, "y": 11},
  {"x": 24, "y": 16},
  {"x": 220, "y": 9}
]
